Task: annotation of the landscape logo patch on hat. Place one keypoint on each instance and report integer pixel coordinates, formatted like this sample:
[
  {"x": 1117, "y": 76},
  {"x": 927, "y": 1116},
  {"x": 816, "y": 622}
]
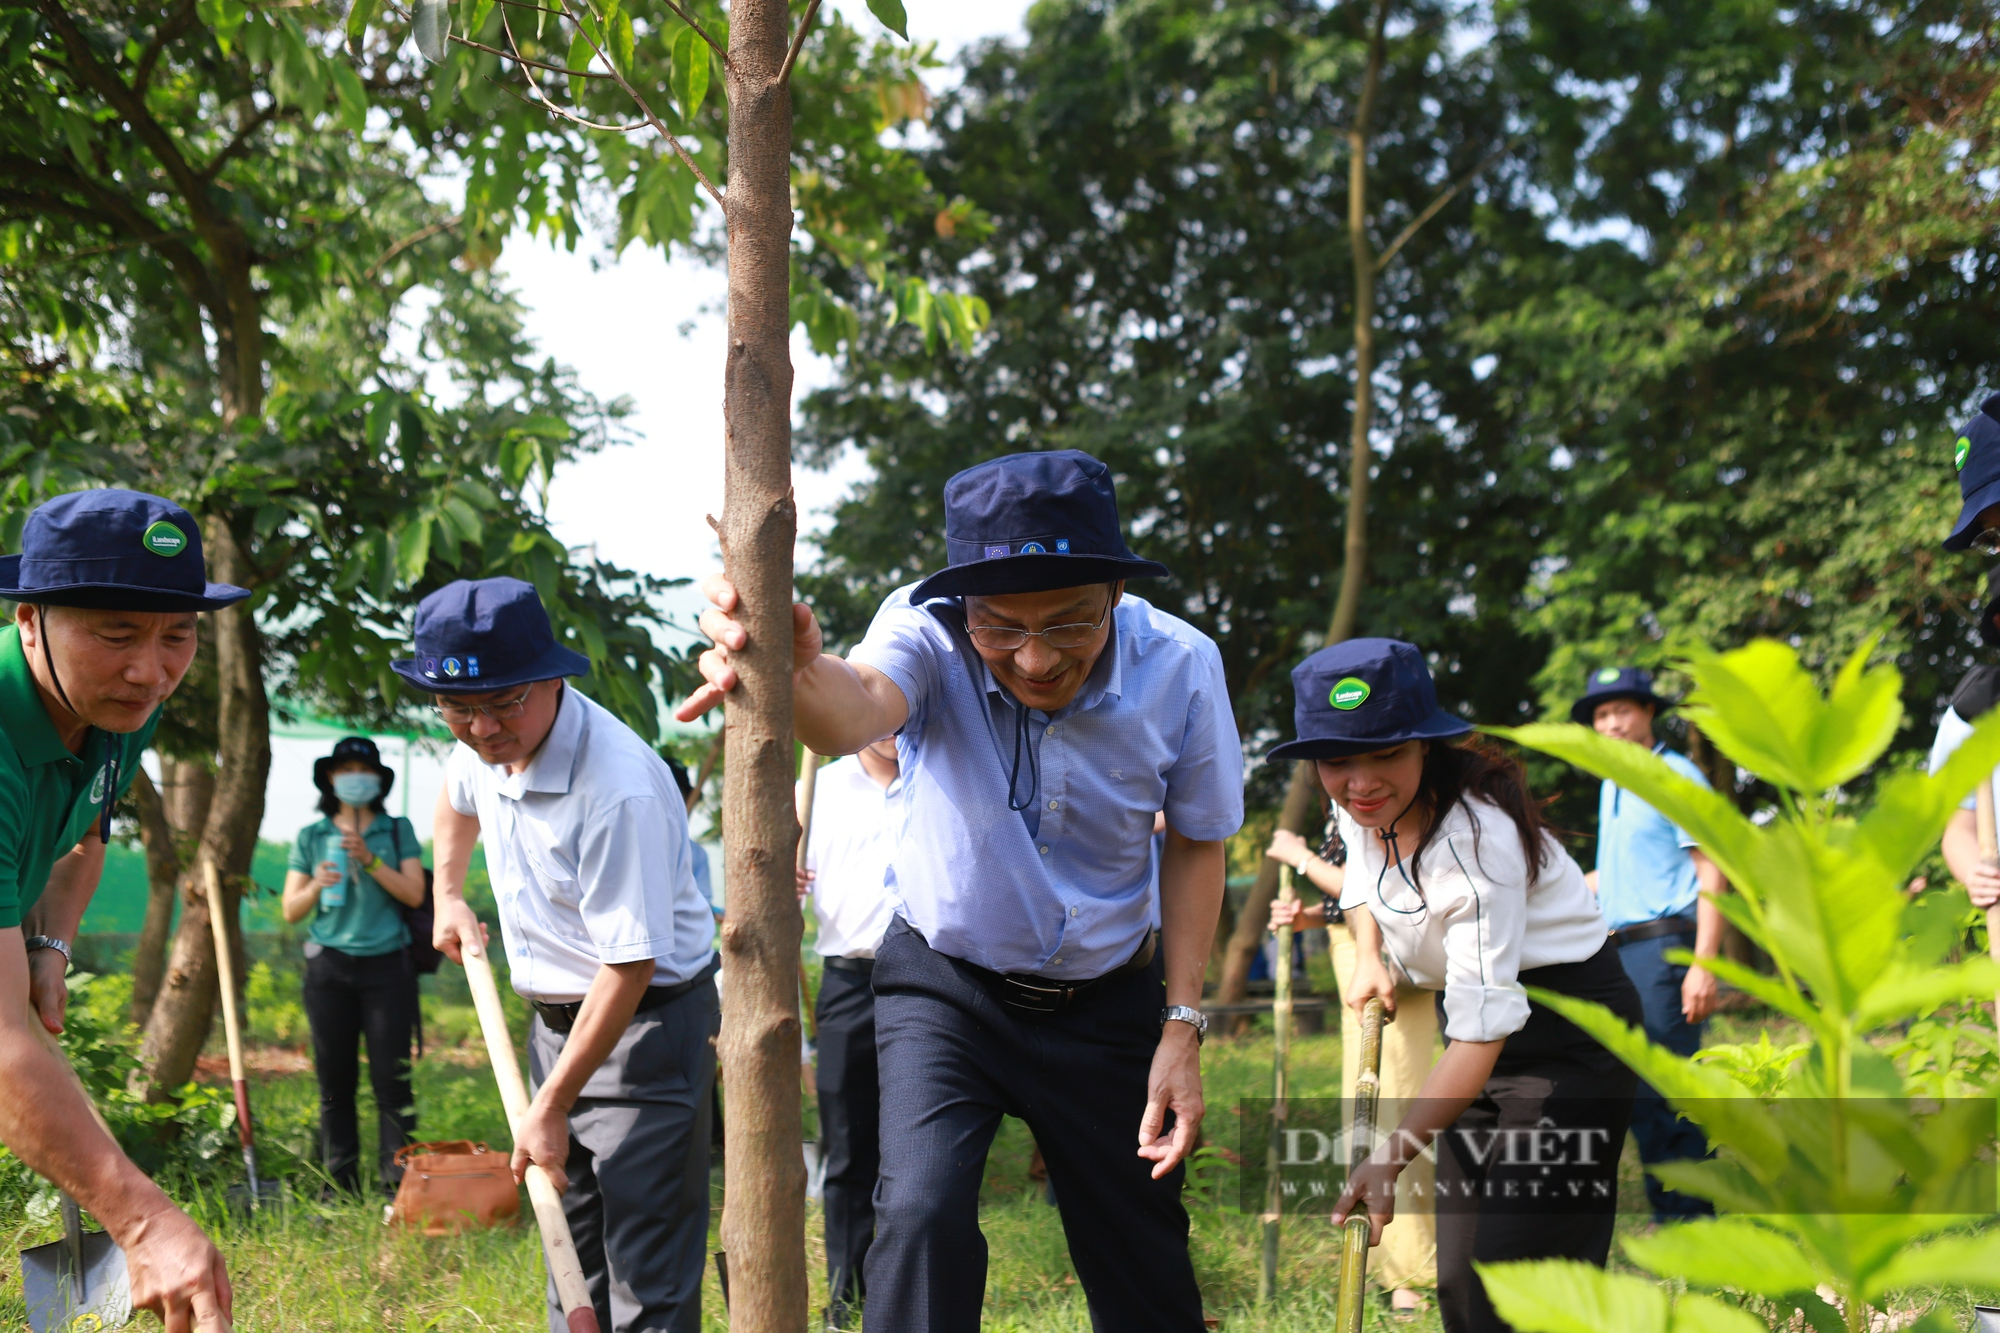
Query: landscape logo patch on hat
[
  {"x": 1607, "y": 675},
  {"x": 97, "y": 786},
  {"x": 1959, "y": 451},
  {"x": 1348, "y": 693},
  {"x": 163, "y": 538}
]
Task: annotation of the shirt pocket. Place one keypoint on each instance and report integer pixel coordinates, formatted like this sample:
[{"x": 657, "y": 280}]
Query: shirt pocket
[{"x": 553, "y": 867}]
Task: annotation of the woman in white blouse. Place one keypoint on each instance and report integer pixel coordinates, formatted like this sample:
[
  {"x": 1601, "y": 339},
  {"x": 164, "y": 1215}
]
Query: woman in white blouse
[{"x": 1455, "y": 884}]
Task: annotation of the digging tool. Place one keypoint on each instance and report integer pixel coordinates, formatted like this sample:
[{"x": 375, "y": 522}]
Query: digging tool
[
  {"x": 77, "y": 1284},
  {"x": 557, "y": 1245},
  {"x": 254, "y": 1191},
  {"x": 1281, "y": 1042},
  {"x": 1989, "y": 855},
  {"x": 1354, "y": 1240}
]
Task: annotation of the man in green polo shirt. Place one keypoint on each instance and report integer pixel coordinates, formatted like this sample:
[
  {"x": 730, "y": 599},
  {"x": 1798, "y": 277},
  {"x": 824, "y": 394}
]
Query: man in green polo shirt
[{"x": 107, "y": 586}]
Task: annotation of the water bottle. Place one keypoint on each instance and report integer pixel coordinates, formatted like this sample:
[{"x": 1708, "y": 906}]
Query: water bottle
[{"x": 335, "y": 894}]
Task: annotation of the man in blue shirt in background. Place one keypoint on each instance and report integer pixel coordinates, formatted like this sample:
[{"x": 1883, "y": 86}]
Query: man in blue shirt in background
[
  {"x": 1043, "y": 717},
  {"x": 1658, "y": 892}
]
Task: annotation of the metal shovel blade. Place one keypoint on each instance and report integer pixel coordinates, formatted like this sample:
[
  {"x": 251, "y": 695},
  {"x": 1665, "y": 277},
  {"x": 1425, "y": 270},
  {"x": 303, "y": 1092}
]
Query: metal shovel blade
[
  {"x": 76, "y": 1285},
  {"x": 1986, "y": 1319}
]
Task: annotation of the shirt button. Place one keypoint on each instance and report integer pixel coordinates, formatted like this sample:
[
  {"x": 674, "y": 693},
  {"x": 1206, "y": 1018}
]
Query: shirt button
[
  {"x": 1051, "y": 731},
  {"x": 1057, "y": 959},
  {"x": 1055, "y": 805},
  {"x": 1072, "y": 911},
  {"x": 1045, "y": 850}
]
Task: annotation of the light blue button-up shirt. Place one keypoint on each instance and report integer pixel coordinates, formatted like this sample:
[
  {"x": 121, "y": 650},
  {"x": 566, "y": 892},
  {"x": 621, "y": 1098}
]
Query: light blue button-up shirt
[
  {"x": 1068, "y": 895},
  {"x": 1644, "y": 871}
]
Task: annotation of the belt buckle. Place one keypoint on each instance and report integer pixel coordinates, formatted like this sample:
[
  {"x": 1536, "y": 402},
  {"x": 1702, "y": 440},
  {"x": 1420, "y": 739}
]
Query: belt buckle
[{"x": 1031, "y": 995}]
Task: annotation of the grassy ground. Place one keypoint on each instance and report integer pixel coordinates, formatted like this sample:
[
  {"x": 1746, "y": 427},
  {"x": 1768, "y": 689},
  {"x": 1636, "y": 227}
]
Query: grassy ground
[{"x": 309, "y": 1267}]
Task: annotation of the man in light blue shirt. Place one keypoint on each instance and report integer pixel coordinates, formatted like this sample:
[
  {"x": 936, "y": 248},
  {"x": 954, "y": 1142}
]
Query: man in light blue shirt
[
  {"x": 1657, "y": 890},
  {"x": 1043, "y": 716}
]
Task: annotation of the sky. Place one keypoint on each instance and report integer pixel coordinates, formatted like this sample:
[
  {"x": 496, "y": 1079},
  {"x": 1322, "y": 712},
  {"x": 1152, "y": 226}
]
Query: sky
[{"x": 618, "y": 322}]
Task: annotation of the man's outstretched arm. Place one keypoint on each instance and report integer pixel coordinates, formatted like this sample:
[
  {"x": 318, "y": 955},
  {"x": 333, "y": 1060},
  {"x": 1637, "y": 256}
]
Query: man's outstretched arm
[{"x": 837, "y": 706}]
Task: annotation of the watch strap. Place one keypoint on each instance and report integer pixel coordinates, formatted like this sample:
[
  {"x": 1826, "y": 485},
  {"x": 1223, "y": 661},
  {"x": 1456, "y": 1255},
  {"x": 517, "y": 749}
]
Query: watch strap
[
  {"x": 1194, "y": 1018},
  {"x": 35, "y": 942}
]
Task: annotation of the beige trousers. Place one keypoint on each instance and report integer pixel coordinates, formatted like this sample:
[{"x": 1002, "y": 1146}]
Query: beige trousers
[{"x": 1407, "y": 1256}]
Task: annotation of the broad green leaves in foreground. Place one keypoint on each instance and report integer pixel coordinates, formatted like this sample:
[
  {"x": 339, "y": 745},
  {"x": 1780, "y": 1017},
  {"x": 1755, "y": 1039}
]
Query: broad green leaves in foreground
[{"x": 1838, "y": 1176}]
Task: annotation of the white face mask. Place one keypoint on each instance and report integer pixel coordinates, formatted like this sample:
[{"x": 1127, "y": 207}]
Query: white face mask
[{"x": 357, "y": 788}]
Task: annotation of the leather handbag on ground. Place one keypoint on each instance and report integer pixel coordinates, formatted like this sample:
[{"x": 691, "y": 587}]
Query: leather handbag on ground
[{"x": 453, "y": 1187}]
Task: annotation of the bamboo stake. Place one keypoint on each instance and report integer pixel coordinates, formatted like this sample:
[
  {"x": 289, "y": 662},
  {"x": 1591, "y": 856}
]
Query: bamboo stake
[
  {"x": 808, "y": 785},
  {"x": 557, "y": 1245},
  {"x": 1989, "y": 856},
  {"x": 1354, "y": 1240},
  {"x": 232, "y": 1030},
  {"x": 1281, "y": 1041}
]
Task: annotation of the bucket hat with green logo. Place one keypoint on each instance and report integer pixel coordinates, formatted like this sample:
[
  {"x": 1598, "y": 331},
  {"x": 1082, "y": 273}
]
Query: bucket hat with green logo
[
  {"x": 113, "y": 550},
  {"x": 1608, "y": 683},
  {"x": 1975, "y": 454},
  {"x": 1365, "y": 695}
]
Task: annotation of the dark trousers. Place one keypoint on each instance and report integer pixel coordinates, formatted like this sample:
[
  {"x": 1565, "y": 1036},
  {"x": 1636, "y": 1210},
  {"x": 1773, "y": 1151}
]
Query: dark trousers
[
  {"x": 849, "y": 1107},
  {"x": 1661, "y": 1134},
  {"x": 953, "y": 1060},
  {"x": 347, "y": 999},
  {"x": 1498, "y": 1198},
  {"x": 637, "y": 1202}
]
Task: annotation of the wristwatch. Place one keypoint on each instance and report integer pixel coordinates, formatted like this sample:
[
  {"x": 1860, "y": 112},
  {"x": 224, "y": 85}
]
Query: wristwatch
[
  {"x": 50, "y": 942},
  {"x": 1194, "y": 1018}
]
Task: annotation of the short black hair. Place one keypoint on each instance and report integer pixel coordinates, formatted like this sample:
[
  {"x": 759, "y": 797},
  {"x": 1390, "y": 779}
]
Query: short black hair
[{"x": 680, "y": 773}]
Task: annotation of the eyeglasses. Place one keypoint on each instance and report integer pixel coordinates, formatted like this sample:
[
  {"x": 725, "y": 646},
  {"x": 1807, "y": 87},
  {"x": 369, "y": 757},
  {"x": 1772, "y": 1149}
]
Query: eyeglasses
[
  {"x": 506, "y": 710},
  {"x": 1003, "y": 640},
  {"x": 1987, "y": 541}
]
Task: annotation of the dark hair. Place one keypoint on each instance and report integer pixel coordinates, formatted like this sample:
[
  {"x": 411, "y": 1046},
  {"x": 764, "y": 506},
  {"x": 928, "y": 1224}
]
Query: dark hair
[
  {"x": 329, "y": 804},
  {"x": 1478, "y": 767},
  {"x": 680, "y": 772}
]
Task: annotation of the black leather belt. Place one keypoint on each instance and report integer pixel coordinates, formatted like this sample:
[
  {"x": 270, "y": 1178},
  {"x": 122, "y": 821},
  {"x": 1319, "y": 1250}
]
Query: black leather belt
[
  {"x": 1040, "y": 995},
  {"x": 865, "y": 966},
  {"x": 1654, "y": 929},
  {"x": 560, "y": 1018}
]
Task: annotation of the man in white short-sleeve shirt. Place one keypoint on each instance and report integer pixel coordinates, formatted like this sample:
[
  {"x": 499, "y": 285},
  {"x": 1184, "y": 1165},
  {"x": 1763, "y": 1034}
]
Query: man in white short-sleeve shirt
[
  {"x": 1976, "y": 455},
  {"x": 605, "y": 935},
  {"x": 1042, "y": 717},
  {"x": 847, "y": 864}
]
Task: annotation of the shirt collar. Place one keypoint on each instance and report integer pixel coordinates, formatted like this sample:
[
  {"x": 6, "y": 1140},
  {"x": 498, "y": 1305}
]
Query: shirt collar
[
  {"x": 27, "y": 718},
  {"x": 554, "y": 764}
]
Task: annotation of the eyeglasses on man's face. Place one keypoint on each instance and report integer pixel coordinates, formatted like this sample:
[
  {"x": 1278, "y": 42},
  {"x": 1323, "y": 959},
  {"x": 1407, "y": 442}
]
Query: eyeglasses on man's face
[
  {"x": 1003, "y": 639},
  {"x": 457, "y": 714},
  {"x": 1987, "y": 541}
]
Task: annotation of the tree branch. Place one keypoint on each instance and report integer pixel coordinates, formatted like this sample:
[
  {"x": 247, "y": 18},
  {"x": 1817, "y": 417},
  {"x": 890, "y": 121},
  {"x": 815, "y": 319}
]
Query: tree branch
[
  {"x": 702, "y": 32},
  {"x": 171, "y": 29},
  {"x": 1431, "y": 209},
  {"x": 417, "y": 237},
  {"x": 242, "y": 141},
  {"x": 545, "y": 104},
  {"x": 792, "y": 56},
  {"x": 520, "y": 59},
  {"x": 647, "y": 111}
]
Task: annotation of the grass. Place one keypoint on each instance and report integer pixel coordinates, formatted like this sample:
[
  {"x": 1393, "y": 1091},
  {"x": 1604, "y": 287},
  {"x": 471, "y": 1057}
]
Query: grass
[{"x": 308, "y": 1267}]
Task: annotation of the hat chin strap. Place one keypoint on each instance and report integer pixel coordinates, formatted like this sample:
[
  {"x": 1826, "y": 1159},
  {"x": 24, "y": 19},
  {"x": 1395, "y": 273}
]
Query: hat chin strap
[{"x": 49, "y": 657}]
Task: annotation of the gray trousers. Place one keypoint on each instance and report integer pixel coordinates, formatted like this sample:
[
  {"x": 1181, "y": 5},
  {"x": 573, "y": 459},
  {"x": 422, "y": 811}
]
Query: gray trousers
[{"x": 638, "y": 1167}]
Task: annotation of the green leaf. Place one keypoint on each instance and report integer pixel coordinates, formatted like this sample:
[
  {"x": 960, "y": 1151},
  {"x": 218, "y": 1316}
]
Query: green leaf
[
  {"x": 353, "y": 97},
  {"x": 1568, "y": 1296},
  {"x": 430, "y": 26},
  {"x": 891, "y": 14},
  {"x": 1762, "y": 709},
  {"x": 580, "y": 54},
  {"x": 1726, "y": 1252},
  {"x": 1954, "y": 1261},
  {"x": 413, "y": 549},
  {"x": 223, "y": 18},
  {"x": 358, "y": 19},
  {"x": 618, "y": 32},
  {"x": 690, "y": 80}
]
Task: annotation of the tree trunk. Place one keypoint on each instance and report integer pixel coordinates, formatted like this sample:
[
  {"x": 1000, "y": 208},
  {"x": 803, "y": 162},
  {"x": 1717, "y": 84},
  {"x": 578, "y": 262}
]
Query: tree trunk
[
  {"x": 763, "y": 1218},
  {"x": 1299, "y": 794},
  {"x": 163, "y": 873},
  {"x": 179, "y": 1024}
]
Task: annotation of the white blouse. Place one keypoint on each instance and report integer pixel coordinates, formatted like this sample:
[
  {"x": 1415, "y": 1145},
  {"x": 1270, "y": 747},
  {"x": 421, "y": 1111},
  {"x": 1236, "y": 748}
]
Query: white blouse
[{"x": 1471, "y": 922}]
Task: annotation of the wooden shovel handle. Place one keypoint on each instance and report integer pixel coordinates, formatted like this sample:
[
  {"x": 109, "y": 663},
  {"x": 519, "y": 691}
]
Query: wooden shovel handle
[
  {"x": 1989, "y": 855},
  {"x": 557, "y": 1245}
]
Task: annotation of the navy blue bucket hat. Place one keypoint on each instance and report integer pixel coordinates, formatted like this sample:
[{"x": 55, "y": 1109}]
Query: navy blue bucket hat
[
  {"x": 1608, "y": 683},
  {"x": 112, "y": 550},
  {"x": 347, "y": 750},
  {"x": 1364, "y": 695},
  {"x": 478, "y": 635},
  {"x": 1031, "y": 523},
  {"x": 1976, "y": 453}
]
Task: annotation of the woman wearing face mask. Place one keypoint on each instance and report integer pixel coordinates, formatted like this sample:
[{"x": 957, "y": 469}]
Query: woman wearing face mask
[
  {"x": 1455, "y": 884},
  {"x": 352, "y": 873}
]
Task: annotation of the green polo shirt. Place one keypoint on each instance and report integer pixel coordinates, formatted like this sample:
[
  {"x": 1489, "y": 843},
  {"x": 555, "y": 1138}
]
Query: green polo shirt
[
  {"x": 370, "y": 923},
  {"x": 49, "y": 798}
]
